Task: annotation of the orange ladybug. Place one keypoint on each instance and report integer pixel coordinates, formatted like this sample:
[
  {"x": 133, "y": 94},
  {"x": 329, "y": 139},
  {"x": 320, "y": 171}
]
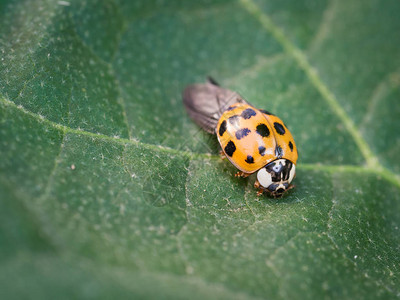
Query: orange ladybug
[{"x": 252, "y": 139}]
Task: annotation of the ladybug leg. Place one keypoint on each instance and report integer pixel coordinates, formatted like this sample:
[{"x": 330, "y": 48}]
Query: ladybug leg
[
  {"x": 292, "y": 186},
  {"x": 222, "y": 154},
  {"x": 241, "y": 174},
  {"x": 260, "y": 190}
]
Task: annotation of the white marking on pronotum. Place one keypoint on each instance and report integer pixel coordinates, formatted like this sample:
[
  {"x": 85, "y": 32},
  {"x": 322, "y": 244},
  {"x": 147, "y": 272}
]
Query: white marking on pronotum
[
  {"x": 264, "y": 178},
  {"x": 292, "y": 173}
]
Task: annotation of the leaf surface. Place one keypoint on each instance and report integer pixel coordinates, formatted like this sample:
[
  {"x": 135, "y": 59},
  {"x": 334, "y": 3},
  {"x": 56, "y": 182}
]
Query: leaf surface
[{"x": 108, "y": 189}]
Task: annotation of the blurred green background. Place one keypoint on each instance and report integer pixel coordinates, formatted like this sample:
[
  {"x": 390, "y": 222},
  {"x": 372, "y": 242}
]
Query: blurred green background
[{"x": 108, "y": 189}]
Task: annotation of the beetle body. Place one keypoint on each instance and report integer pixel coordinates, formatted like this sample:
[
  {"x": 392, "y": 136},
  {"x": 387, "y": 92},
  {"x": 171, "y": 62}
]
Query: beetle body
[{"x": 252, "y": 139}]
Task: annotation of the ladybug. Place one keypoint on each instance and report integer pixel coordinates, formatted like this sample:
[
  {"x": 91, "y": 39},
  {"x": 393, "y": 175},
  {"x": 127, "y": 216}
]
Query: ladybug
[{"x": 254, "y": 140}]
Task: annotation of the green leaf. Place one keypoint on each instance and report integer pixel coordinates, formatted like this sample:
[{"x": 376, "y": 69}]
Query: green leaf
[{"x": 108, "y": 189}]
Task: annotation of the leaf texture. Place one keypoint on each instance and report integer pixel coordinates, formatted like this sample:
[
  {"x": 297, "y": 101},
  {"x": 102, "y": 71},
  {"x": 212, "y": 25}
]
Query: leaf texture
[{"x": 108, "y": 189}]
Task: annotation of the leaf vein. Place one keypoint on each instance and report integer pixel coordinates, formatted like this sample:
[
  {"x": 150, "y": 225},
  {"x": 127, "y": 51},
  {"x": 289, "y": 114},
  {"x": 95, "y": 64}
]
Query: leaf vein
[
  {"x": 382, "y": 89},
  {"x": 312, "y": 75},
  {"x": 316, "y": 81},
  {"x": 387, "y": 174},
  {"x": 260, "y": 64},
  {"x": 324, "y": 26},
  {"x": 124, "y": 28}
]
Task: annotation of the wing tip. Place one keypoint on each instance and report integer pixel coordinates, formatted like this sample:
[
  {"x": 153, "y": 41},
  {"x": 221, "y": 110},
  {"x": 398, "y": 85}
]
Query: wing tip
[
  {"x": 211, "y": 80},
  {"x": 199, "y": 101}
]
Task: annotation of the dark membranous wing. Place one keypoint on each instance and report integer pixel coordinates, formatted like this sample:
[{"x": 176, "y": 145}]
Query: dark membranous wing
[{"x": 205, "y": 103}]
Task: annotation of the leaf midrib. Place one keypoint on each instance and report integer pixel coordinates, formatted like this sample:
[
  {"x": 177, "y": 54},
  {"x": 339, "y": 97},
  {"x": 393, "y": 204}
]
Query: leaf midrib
[
  {"x": 316, "y": 81},
  {"x": 387, "y": 174},
  {"x": 372, "y": 161}
]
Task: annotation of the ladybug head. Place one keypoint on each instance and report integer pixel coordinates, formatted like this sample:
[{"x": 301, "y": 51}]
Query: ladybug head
[{"x": 275, "y": 177}]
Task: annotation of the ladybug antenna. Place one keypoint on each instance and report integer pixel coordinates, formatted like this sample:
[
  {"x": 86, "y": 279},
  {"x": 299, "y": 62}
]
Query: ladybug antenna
[{"x": 212, "y": 81}]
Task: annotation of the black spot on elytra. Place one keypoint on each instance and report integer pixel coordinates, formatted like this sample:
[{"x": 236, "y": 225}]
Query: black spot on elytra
[
  {"x": 261, "y": 150},
  {"x": 262, "y": 130},
  {"x": 222, "y": 128},
  {"x": 266, "y": 112},
  {"x": 278, "y": 151},
  {"x": 242, "y": 133},
  {"x": 249, "y": 159},
  {"x": 234, "y": 120},
  {"x": 291, "y": 146},
  {"x": 230, "y": 148},
  {"x": 231, "y": 107},
  {"x": 248, "y": 113},
  {"x": 279, "y": 128}
]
